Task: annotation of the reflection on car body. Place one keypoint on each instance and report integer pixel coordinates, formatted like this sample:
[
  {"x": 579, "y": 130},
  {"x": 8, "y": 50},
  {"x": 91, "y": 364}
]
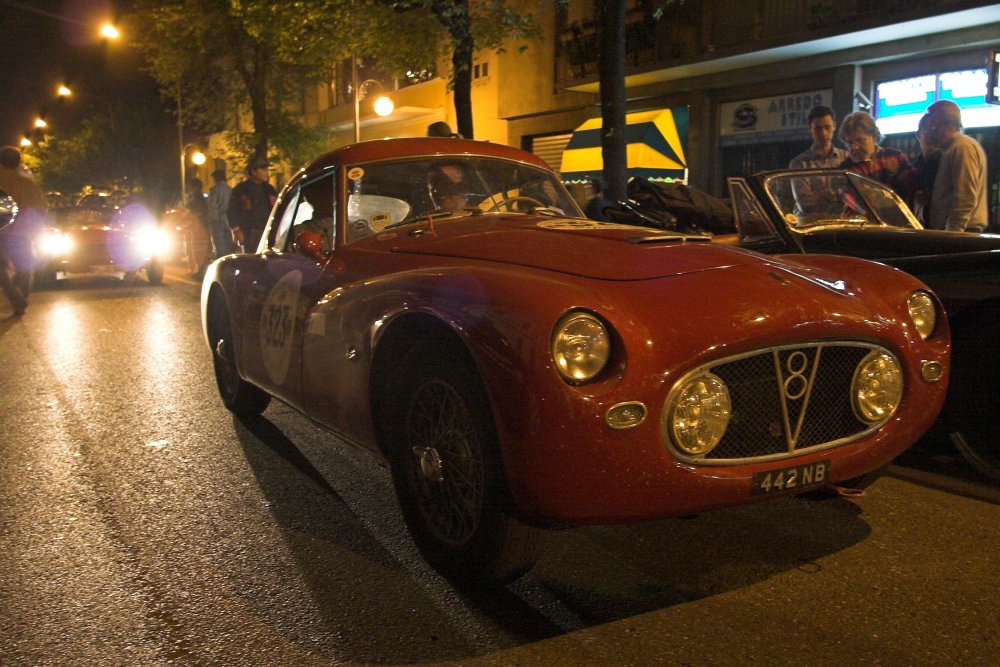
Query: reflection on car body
[{"x": 518, "y": 369}]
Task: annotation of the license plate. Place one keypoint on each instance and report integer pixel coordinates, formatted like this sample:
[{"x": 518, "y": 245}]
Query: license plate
[{"x": 793, "y": 478}]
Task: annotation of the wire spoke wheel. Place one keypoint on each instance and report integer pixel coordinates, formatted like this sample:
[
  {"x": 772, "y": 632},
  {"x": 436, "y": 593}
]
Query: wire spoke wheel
[
  {"x": 448, "y": 471},
  {"x": 447, "y": 465}
]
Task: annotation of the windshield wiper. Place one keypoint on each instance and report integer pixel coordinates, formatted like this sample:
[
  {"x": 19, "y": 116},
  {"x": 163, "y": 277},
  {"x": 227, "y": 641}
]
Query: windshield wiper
[{"x": 432, "y": 215}]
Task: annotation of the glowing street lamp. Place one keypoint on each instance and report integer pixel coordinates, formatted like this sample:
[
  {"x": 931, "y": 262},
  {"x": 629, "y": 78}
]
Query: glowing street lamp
[
  {"x": 40, "y": 123},
  {"x": 383, "y": 104},
  {"x": 25, "y": 142},
  {"x": 197, "y": 157},
  {"x": 109, "y": 31},
  {"x": 63, "y": 91}
]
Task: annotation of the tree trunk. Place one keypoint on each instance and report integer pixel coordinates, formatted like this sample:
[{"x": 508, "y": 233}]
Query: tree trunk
[
  {"x": 612, "y": 79},
  {"x": 454, "y": 16},
  {"x": 461, "y": 62}
]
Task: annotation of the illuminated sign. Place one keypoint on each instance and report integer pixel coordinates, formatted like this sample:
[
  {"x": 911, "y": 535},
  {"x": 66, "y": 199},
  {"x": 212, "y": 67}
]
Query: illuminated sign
[
  {"x": 767, "y": 119},
  {"x": 993, "y": 78},
  {"x": 900, "y": 104}
]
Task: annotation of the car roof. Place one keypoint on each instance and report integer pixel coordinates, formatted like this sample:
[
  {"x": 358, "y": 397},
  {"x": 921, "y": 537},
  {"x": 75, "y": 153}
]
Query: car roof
[{"x": 421, "y": 146}]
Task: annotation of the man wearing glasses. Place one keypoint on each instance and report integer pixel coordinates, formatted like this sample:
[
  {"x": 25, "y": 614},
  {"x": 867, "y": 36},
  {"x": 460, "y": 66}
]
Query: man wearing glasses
[{"x": 959, "y": 193}]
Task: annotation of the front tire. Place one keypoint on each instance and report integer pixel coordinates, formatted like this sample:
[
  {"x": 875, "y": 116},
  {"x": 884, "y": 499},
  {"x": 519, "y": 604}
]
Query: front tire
[
  {"x": 239, "y": 396},
  {"x": 448, "y": 474}
]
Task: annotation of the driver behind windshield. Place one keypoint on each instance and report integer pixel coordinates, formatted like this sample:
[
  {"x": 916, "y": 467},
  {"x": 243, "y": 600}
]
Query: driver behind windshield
[{"x": 448, "y": 187}]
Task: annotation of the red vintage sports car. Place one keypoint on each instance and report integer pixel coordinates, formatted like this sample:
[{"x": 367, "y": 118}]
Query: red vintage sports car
[
  {"x": 442, "y": 304},
  {"x": 93, "y": 237}
]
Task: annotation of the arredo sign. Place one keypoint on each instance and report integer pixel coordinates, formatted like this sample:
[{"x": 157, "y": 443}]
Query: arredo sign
[{"x": 769, "y": 119}]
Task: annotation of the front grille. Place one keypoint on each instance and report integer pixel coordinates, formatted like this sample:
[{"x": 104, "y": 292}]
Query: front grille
[{"x": 814, "y": 383}]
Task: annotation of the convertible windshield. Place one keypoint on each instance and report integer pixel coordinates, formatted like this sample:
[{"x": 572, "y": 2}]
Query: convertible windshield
[
  {"x": 386, "y": 193},
  {"x": 815, "y": 199}
]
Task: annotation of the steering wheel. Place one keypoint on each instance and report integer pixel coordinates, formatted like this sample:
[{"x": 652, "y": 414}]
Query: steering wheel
[{"x": 534, "y": 203}]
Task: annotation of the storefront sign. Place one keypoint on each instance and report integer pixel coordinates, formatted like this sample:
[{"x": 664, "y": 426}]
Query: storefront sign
[
  {"x": 769, "y": 119},
  {"x": 900, "y": 104}
]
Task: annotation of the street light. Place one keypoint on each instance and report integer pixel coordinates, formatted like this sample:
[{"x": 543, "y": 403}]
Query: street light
[
  {"x": 197, "y": 157},
  {"x": 63, "y": 91},
  {"x": 383, "y": 104},
  {"x": 109, "y": 31}
]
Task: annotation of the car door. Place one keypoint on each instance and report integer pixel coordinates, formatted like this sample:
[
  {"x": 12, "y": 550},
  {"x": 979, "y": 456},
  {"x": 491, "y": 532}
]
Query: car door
[{"x": 288, "y": 285}]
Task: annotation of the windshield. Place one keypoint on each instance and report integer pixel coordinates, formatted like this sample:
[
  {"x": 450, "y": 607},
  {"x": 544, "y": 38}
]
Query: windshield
[
  {"x": 821, "y": 199},
  {"x": 386, "y": 193}
]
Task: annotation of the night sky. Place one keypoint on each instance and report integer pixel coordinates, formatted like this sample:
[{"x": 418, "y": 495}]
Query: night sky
[{"x": 48, "y": 42}]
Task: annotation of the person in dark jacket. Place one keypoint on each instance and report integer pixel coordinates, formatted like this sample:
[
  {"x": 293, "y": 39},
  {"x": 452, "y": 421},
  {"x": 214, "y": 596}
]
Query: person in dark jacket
[{"x": 250, "y": 205}]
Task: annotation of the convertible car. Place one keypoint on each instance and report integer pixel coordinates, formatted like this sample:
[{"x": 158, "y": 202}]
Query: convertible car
[
  {"x": 442, "y": 304},
  {"x": 847, "y": 214},
  {"x": 102, "y": 239}
]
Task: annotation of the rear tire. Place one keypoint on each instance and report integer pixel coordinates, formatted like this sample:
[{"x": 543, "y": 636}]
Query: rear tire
[
  {"x": 448, "y": 473},
  {"x": 239, "y": 396}
]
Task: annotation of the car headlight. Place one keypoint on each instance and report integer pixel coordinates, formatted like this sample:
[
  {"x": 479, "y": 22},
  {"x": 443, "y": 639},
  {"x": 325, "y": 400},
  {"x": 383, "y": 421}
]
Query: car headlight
[
  {"x": 54, "y": 243},
  {"x": 877, "y": 387},
  {"x": 151, "y": 241},
  {"x": 699, "y": 415},
  {"x": 581, "y": 347},
  {"x": 923, "y": 313}
]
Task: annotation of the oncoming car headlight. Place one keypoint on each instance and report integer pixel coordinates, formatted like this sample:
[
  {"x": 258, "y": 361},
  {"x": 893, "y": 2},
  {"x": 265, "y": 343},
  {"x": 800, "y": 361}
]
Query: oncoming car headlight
[
  {"x": 151, "y": 241},
  {"x": 699, "y": 415},
  {"x": 877, "y": 387},
  {"x": 581, "y": 347},
  {"x": 54, "y": 243},
  {"x": 923, "y": 313}
]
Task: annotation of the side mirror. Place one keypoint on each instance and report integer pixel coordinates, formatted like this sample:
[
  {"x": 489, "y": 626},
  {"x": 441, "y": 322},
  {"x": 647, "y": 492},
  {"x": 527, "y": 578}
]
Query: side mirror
[
  {"x": 310, "y": 244},
  {"x": 8, "y": 209}
]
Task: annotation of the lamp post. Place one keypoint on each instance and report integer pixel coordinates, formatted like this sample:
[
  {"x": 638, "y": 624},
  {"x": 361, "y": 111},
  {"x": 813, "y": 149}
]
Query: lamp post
[
  {"x": 197, "y": 157},
  {"x": 383, "y": 105}
]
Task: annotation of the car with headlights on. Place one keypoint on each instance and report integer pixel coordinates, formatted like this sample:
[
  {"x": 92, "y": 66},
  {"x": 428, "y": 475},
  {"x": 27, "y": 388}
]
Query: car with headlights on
[
  {"x": 443, "y": 305},
  {"x": 830, "y": 211},
  {"x": 93, "y": 239}
]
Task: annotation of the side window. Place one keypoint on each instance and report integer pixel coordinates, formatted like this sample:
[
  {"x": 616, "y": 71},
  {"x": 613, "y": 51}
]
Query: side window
[
  {"x": 887, "y": 204},
  {"x": 751, "y": 222},
  {"x": 284, "y": 218},
  {"x": 316, "y": 210}
]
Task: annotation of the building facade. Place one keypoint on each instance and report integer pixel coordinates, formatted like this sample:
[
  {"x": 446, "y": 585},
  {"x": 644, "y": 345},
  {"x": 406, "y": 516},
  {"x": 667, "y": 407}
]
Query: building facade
[{"x": 738, "y": 76}]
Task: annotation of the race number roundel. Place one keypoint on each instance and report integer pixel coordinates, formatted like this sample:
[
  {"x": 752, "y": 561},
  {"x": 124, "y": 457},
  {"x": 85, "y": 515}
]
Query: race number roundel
[{"x": 277, "y": 326}]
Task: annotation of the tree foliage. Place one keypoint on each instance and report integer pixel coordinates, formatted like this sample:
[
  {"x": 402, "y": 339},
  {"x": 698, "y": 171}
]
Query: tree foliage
[
  {"x": 397, "y": 36},
  {"x": 248, "y": 57},
  {"x": 127, "y": 145},
  {"x": 219, "y": 59}
]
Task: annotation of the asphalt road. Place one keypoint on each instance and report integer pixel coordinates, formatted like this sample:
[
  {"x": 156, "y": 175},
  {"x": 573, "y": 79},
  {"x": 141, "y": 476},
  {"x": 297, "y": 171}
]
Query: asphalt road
[{"x": 141, "y": 524}]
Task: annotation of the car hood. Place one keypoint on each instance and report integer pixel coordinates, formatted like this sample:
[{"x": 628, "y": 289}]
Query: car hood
[{"x": 585, "y": 248}]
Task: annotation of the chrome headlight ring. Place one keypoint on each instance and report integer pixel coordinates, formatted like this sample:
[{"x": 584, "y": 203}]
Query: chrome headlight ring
[
  {"x": 580, "y": 346},
  {"x": 877, "y": 387},
  {"x": 923, "y": 313},
  {"x": 698, "y": 415}
]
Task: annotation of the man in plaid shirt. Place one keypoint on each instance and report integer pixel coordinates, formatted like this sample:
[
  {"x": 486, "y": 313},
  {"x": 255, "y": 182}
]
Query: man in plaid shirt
[{"x": 886, "y": 165}]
